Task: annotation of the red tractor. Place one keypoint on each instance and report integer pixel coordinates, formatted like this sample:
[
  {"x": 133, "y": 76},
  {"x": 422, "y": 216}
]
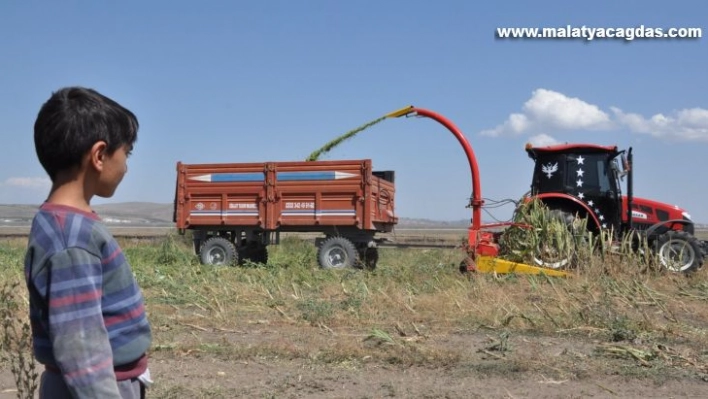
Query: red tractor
[
  {"x": 584, "y": 180},
  {"x": 579, "y": 180}
]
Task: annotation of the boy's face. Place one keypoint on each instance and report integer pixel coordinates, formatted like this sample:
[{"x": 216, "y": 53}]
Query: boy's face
[{"x": 114, "y": 168}]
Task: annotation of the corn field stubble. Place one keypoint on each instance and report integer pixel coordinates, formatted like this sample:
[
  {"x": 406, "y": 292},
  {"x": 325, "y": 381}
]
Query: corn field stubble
[{"x": 414, "y": 310}]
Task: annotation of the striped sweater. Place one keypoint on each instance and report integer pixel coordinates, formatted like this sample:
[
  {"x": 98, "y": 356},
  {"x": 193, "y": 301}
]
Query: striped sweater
[{"x": 86, "y": 309}]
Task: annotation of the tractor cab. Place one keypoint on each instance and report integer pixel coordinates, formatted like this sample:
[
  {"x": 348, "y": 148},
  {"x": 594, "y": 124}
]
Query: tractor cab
[
  {"x": 584, "y": 180},
  {"x": 580, "y": 179}
]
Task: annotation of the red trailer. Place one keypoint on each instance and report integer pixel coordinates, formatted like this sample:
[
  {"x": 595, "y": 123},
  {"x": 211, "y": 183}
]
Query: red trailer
[{"x": 236, "y": 210}]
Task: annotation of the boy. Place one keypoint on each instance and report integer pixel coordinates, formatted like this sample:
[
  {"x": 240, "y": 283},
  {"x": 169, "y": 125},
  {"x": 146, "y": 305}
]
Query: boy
[{"x": 87, "y": 312}]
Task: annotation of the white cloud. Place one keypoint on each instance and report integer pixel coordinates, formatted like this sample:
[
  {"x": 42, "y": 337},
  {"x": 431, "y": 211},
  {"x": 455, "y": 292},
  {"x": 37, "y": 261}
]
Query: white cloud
[
  {"x": 516, "y": 124},
  {"x": 549, "y": 110},
  {"x": 28, "y": 182},
  {"x": 542, "y": 140},
  {"x": 686, "y": 124},
  {"x": 556, "y": 110}
]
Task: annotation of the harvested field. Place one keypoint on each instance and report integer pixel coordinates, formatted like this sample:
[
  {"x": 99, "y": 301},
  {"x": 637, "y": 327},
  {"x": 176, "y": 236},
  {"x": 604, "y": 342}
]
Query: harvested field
[{"x": 413, "y": 328}]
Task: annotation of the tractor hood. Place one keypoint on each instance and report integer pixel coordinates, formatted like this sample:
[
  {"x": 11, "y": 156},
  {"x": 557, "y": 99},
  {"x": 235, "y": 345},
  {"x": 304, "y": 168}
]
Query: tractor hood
[{"x": 649, "y": 212}]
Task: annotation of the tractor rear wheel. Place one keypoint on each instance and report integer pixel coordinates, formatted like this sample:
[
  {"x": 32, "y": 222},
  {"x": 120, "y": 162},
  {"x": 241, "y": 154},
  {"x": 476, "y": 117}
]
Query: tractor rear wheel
[{"x": 679, "y": 251}]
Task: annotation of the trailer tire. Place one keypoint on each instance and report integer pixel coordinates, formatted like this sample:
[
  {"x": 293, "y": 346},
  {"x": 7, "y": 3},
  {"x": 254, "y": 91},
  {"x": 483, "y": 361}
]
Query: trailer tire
[
  {"x": 218, "y": 251},
  {"x": 679, "y": 251},
  {"x": 337, "y": 253}
]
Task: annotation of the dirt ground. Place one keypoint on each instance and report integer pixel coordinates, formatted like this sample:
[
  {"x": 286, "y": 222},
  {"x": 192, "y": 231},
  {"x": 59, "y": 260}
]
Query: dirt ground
[{"x": 530, "y": 367}]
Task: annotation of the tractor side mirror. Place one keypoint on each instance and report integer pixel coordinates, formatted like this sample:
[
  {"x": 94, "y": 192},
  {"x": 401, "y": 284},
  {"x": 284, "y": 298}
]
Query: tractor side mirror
[{"x": 625, "y": 166}]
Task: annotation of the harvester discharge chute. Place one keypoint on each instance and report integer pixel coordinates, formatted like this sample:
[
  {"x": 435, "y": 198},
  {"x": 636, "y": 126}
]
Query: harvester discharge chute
[{"x": 482, "y": 245}]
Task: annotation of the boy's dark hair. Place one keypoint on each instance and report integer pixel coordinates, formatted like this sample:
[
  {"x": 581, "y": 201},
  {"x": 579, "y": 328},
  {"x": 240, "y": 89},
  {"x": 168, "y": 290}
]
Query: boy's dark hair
[{"x": 73, "y": 120}]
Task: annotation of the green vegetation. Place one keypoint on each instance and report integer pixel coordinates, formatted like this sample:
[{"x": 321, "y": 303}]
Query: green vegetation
[
  {"x": 330, "y": 145},
  {"x": 558, "y": 239},
  {"x": 541, "y": 233}
]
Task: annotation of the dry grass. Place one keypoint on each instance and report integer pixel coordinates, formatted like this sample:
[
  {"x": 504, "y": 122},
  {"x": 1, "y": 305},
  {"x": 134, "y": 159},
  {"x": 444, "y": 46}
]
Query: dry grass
[
  {"x": 415, "y": 295},
  {"x": 16, "y": 342}
]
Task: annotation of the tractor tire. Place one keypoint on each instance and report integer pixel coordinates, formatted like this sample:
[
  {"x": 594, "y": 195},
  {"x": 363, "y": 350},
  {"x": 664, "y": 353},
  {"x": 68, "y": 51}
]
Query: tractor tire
[
  {"x": 679, "y": 251},
  {"x": 337, "y": 253},
  {"x": 548, "y": 254},
  {"x": 218, "y": 251}
]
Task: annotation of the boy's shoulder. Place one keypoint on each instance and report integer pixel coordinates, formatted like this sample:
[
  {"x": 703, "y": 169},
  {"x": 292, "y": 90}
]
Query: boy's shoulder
[{"x": 58, "y": 227}]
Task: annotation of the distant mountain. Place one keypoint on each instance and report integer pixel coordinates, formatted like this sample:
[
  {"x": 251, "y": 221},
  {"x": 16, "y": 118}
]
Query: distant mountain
[
  {"x": 428, "y": 223},
  {"x": 135, "y": 212},
  {"x": 128, "y": 213},
  {"x": 17, "y": 211}
]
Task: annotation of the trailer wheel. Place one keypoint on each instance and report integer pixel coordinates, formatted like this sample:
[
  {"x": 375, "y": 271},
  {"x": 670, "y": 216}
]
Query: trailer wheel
[
  {"x": 218, "y": 251},
  {"x": 679, "y": 251},
  {"x": 337, "y": 253}
]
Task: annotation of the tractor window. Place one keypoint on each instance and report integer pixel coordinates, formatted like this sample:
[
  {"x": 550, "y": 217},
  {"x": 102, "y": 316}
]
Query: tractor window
[
  {"x": 588, "y": 173},
  {"x": 604, "y": 179}
]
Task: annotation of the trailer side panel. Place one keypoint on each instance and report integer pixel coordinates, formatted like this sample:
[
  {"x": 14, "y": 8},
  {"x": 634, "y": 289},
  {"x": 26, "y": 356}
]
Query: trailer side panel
[{"x": 273, "y": 195}]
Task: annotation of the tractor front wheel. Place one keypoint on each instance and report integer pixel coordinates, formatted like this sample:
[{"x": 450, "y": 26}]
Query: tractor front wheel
[{"x": 679, "y": 251}]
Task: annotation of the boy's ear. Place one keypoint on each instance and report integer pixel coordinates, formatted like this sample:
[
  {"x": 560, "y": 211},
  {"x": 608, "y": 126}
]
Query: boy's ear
[{"x": 97, "y": 155}]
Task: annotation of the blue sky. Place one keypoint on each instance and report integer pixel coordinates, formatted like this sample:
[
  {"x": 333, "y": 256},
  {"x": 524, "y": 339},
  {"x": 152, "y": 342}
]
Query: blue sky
[{"x": 237, "y": 81}]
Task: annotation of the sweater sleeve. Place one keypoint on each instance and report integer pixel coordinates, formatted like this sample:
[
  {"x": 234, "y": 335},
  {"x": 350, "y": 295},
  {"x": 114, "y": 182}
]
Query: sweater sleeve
[{"x": 76, "y": 326}]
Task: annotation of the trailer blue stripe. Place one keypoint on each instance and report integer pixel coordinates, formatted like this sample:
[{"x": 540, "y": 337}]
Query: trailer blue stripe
[
  {"x": 291, "y": 176},
  {"x": 236, "y": 177},
  {"x": 282, "y": 176}
]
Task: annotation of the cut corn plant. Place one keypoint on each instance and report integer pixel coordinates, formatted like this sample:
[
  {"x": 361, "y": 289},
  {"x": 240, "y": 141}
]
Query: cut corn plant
[
  {"x": 545, "y": 237},
  {"x": 330, "y": 145},
  {"x": 556, "y": 239}
]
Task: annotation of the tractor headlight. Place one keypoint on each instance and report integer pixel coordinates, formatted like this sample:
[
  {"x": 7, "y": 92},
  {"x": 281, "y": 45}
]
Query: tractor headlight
[{"x": 686, "y": 215}]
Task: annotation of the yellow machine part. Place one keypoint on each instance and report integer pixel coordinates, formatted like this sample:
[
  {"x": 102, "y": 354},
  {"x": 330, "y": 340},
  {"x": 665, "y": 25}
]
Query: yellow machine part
[
  {"x": 401, "y": 112},
  {"x": 489, "y": 264}
]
